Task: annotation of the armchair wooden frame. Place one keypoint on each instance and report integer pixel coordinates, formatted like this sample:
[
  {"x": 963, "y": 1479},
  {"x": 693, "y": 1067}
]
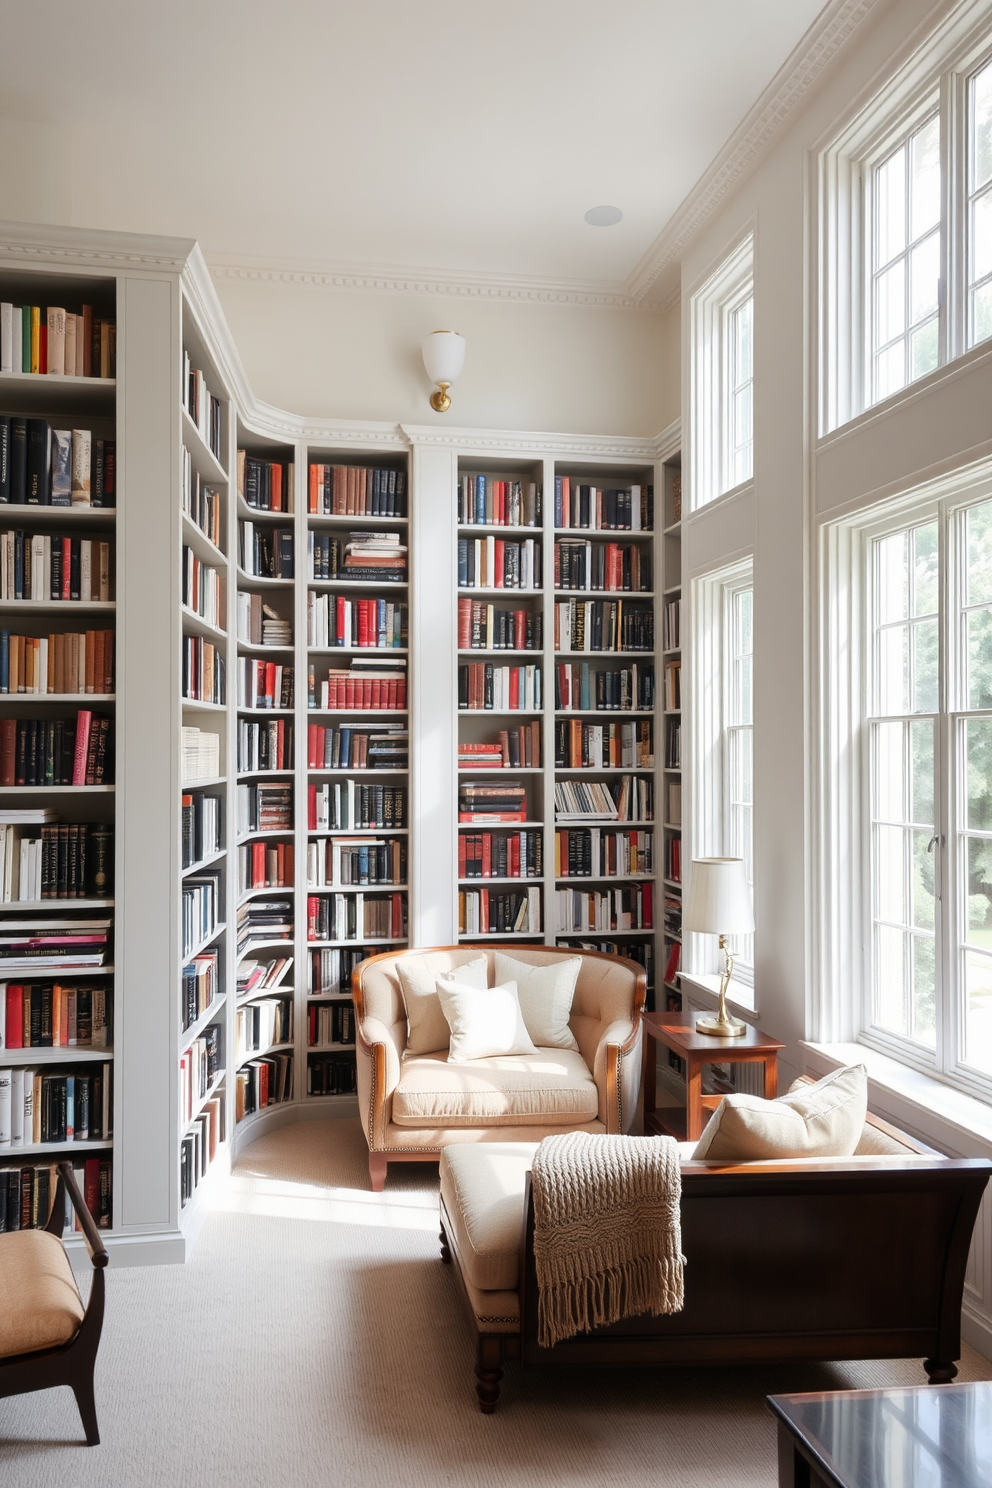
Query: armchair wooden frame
[{"x": 72, "y": 1363}]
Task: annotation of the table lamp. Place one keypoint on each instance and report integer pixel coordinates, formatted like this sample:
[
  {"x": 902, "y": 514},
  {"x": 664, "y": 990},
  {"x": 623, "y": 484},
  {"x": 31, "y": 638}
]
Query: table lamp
[{"x": 719, "y": 903}]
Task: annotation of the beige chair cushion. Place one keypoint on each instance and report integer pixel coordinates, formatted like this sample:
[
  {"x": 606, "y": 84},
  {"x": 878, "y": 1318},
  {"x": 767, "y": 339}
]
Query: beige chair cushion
[
  {"x": 545, "y": 994},
  {"x": 40, "y": 1306},
  {"x": 427, "y": 1030},
  {"x": 483, "y": 1024},
  {"x": 482, "y": 1190},
  {"x": 822, "y": 1120},
  {"x": 552, "y": 1087}
]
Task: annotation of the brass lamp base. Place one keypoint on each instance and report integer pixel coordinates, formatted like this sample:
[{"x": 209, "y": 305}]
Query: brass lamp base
[
  {"x": 440, "y": 402},
  {"x": 721, "y": 1024}
]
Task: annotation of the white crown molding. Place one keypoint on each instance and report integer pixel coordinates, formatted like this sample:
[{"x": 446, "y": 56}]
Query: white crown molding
[
  {"x": 37, "y": 243},
  {"x": 505, "y": 441},
  {"x": 782, "y": 96}
]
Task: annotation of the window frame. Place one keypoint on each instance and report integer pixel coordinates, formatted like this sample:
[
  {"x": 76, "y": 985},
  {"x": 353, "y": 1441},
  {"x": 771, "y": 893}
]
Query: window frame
[{"x": 711, "y": 308}]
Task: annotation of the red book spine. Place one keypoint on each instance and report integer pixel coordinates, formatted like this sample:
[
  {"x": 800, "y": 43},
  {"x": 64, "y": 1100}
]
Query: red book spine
[
  {"x": 461, "y": 874},
  {"x": 363, "y": 623},
  {"x": 83, "y": 721},
  {"x": 15, "y": 1017},
  {"x": 312, "y": 808},
  {"x": 497, "y": 579},
  {"x": 464, "y": 624},
  {"x": 258, "y": 865},
  {"x": 313, "y": 908},
  {"x": 66, "y": 567},
  {"x": 91, "y": 1185}
]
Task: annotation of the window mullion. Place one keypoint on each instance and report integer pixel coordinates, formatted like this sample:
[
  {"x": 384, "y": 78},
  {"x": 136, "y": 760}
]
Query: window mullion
[{"x": 953, "y": 337}]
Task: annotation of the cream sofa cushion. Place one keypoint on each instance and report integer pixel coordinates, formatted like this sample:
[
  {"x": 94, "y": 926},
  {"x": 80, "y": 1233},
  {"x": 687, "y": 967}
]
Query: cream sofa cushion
[
  {"x": 545, "y": 994},
  {"x": 484, "y": 1203},
  {"x": 552, "y": 1088},
  {"x": 427, "y": 1029},
  {"x": 821, "y": 1120},
  {"x": 483, "y": 1024},
  {"x": 40, "y": 1306}
]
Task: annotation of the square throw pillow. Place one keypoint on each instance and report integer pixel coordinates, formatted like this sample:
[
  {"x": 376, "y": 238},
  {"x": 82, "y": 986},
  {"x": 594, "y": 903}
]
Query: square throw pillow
[
  {"x": 545, "y": 994},
  {"x": 821, "y": 1120},
  {"x": 483, "y": 1024},
  {"x": 427, "y": 1028}
]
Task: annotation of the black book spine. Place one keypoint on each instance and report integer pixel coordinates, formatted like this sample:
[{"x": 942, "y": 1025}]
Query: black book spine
[
  {"x": 4, "y": 458},
  {"x": 39, "y": 468},
  {"x": 18, "y": 493}
]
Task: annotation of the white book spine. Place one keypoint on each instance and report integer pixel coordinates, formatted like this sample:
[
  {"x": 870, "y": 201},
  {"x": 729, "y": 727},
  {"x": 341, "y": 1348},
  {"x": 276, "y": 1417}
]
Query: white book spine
[
  {"x": 5, "y": 1075},
  {"x": 6, "y": 337},
  {"x": 16, "y": 339},
  {"x": 17, "y": 1107}
]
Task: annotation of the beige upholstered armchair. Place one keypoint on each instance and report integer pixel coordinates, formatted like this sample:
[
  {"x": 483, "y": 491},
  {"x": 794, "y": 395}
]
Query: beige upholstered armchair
[{"x": 413, "y": 1104}]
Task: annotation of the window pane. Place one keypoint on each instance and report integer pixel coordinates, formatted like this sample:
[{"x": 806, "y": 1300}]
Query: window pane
[
  {"x": 980, "y": 892},
  {"x": 981, "y": 314},
  {"x": 890, "y": 874},
  {"x": 890, "y": 196},
  {"x": 978, "y": 1015},
  {"x": 980, "y": 659},
  {"x": 978, "y": 754},
  {"x": 890, "y": 370},
  {"x": 890, "y": 978},
  {"x": 924, "y": 990},
  {"x": 923, "y": 350},
  {"x": 921, "y": 744},
  {"x": 890, "y": 301},
  {"x": 893, "y": 578},
  {"x": 924, "y": 883},
  {"x": 926, "y": 586},
  {"x": 742, "y": 416},
  {"x": 890, "y": 772},
  {"x": 924, "y": 278},
  {"x": 893, "y": 664},
  {"x": 743, "y": 612},
  {"x": 925, "y": 178},
  {"x": 981, "y": 127},
  {"x": 742, "y": 339},
  {"x": 978, "y": 524},
  {"x": 981, "y": 238},
  {"x": 925, "y": 664}
]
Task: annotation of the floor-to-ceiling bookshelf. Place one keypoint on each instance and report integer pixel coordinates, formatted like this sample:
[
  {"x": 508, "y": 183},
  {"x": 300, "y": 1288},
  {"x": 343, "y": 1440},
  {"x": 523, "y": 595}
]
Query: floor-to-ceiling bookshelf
[{"x": 671, "y": 724}]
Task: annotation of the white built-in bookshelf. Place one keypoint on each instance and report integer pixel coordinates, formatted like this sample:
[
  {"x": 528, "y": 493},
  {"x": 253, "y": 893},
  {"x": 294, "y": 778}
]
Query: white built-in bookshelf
[
  {"x": 670, "y": 744},
  {"x": 285, "y": 602}
]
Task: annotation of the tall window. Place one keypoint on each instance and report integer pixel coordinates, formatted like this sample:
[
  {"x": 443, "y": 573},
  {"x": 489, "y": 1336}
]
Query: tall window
[
  {"x": 721, "y": 415},
  {"x": 980, "y": 206},
  {"x": 740, "y": 411},
  {"x": 905, "y": 290},
  {"x": 929, "y": 739},
  {"x": 739, "y": 734}
]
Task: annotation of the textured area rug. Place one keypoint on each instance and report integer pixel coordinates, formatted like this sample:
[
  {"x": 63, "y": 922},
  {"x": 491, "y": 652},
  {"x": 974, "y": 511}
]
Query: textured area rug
[{"x": 315, "y": 1338}]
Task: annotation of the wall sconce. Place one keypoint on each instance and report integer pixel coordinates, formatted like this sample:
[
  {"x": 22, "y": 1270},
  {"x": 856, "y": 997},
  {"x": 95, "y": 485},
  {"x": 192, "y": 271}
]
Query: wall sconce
[{"x": 444, "y": 357}]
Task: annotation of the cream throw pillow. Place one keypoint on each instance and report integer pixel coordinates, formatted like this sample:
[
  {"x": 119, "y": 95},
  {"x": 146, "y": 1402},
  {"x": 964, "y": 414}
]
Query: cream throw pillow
[
  {"x": 821, "y": 1120},
  {"x": 483, "y": 1024},
  {"x": 427, "y": 1028},
  {"x": 545, "y": 994}
]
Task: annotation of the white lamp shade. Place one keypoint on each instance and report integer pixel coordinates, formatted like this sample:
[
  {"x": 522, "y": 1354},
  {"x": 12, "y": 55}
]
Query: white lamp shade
[
  {"x": 718, "y": 901},
  {"x": 444, "y": 355}
]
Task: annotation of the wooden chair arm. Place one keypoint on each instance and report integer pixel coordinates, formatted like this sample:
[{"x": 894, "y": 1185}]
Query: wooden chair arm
[{"x": 56, "y": 1221}]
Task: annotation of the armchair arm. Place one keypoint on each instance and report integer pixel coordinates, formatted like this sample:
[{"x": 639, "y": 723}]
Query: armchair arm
[
  {"x": 617, "y": 1072},
  {"x": 378, "y": 1061},
  {"x": 56, "y": 1220}
]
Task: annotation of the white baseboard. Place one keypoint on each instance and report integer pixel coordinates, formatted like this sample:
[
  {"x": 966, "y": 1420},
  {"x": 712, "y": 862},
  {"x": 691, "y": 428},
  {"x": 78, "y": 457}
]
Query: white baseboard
[
  {"x": 977, "y": 1332},
  {"x": 158, "y": 1248}
]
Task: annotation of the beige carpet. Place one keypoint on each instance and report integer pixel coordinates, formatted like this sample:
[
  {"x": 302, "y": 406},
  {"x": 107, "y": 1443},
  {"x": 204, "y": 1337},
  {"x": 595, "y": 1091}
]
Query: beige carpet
[{"x": 316, "y": 1339}]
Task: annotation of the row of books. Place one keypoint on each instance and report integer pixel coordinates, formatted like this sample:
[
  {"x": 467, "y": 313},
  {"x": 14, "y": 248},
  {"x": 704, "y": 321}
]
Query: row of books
[
  {"x": 265, "y": 744},
  {"x": 489, "y": 627},
  {"x": 350, "y": 862},
  {"x": 199, "y": 754},
  {"x": 629, "y": 799},
  {"x": 486, "y": 801},
  {"x": 356, "y": 491},
  {"x": 629, "y": 908},
  {"x": 498, "y": 563},
  {"x": 204, "y": 677},
  {"x": 260, "y": 1024},
  {"x": 501, "y": 854},
  {"x": 673, "y": 686},
  {"x": 346, "y": 804},
  {"x": 61, "y": 662},
  {"x": 265, "y": 865},
  {"x": 671, "y": 625},
  {"x": 199, "y": 1067},
  {"x": 204, "y": 590},
  {"x": 202, "y": 406},
  {"x": 264, "y": 684},
  {"x": 66, "y": 860},
  {"x": 330, "y": 1023},
  {"x": 260, "y": 624},
  {"x": 487, "y": 500},
  {"x": 57, "y": 751},
  {"x": 585, "y": 688},
  {"x": 641, "y": 951},
  {"x": 43, "y": 466},
  {"x": 53, "y": 1105},
  {"x": 673, "y": 915},
  {"x": 363, "y": 685},
  {"x": 55, "y": 1015},
  {"x": 593, "y": 508},
  {"x": 606, "y": 566},
  {"x": 200, "y": 986},
  {"x": 263, "y": 920},
  {"x": 604, "y": 746},
  {"x": 673, "y": 859},
  {"x": 673, "y": 962},
  {"x": 603, "y": 625},
  {"x": 263, "y": 1082},
  {"x": 597, "y": 852},
  {"x": 201, "y": 827},
  {"x": 499, "y": 912},
  {"x": 264, "y": 808},
  {"x": 256, "y": 977},
  {"x": 265, "y": 552},
  {"x": 199, "y": 1148},
  {"x": 499, "y": 688},
  {"x": 335, "y": 620},
  {"x": 365, "y": 557},
  {"x": 330, "y": 968},
  {"x": 331, "y": 1074},
  {"x": 266, "y": 485},
  {"x": 673, "y": 744},
  {"x": 50, "y": 339},
  {"x": 58, "y": 943},
  {"x": 201, "y": 905},
  {"x": 51, "y": 566},
  {"x": 356, "y": 916},
  {"x": 201, "y": 502},
  {"x": 27, "y": 1194},
  {"x": 349, "y": 748},
  {"x": 515, "y": 749}
]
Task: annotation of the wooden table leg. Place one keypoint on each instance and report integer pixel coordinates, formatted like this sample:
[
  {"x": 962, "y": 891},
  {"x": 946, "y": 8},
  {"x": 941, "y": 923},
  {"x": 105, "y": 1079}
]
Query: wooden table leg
[
  {"x": 649, "y": 1076},
  {"x": 771, "y": 1077},
  {"x": 793, "y": 1469},
  {"x": 694, "y": 1114}
]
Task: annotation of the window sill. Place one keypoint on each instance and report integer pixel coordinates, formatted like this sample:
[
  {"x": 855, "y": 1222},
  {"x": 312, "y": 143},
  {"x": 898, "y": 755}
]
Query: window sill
[
  {"x": 704, "y": 988},
  {"x": 943, "y": 1117}
]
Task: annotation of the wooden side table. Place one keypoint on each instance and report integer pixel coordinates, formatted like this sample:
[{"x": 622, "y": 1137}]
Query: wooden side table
[{"x": 677, "y": 1032}]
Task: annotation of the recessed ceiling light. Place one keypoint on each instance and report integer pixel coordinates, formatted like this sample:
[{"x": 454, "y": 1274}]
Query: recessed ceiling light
[{"x": 603, "y": 216}]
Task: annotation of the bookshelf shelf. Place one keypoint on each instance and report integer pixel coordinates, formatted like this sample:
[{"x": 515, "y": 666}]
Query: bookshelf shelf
[
  {"x": 197, "y": 705},
  {"x": 207, "y": 781},
  {"x": 194, "y": 537},
  {"x": 209, "y": 1015},
  {"x": 22, "y": 905},
  {"x": 196, "y": 625},
  {"x": 28, "y": 1149},
  {"x": 202, "y": 1100},
  {"x": 380, "y": 586},
  {"x": 250, "y": 648},
  {"x": 216, "y": 857},
  {"x": 261, "y": 581},
  {"x": 204, "y": 459},
  {"x": 58, "y": 606},
  {"x": 77, "y": 699},
  {"x": 259, "y": 514},
  {"x": 206, "y": 942},
  {"x": 56, "y": 790},
  {"x": 62, "y": 516}
]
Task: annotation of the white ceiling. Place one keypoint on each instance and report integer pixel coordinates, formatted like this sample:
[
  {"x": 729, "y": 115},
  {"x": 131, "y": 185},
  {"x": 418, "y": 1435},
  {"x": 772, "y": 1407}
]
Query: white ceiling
[{"x": 465, "y": 137}]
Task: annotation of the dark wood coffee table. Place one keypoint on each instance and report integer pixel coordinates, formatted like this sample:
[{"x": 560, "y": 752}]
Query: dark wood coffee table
[
  {"x": 934, "y": 1436},
  {"x": 677, "y": 1031}
]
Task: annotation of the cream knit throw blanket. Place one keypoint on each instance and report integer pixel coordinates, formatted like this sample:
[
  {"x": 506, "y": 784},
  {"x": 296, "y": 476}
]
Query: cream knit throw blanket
[{"x": 607, "y": 1240}]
